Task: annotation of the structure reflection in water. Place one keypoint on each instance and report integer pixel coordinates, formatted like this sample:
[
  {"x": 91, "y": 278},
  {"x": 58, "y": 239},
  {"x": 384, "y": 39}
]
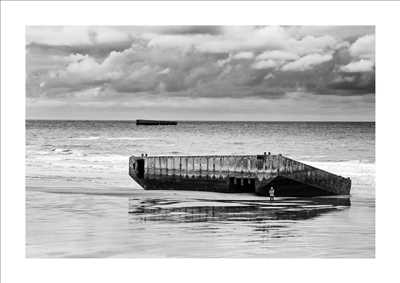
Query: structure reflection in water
[{"x": 201, "y": 210}]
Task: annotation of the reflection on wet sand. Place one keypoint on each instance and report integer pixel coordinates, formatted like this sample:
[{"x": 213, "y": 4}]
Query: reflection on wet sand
[{"x": 202, "y": 210}]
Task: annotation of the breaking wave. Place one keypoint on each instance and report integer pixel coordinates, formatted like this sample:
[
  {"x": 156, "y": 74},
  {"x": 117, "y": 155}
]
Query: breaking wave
[{"x": 118, "y": 138}]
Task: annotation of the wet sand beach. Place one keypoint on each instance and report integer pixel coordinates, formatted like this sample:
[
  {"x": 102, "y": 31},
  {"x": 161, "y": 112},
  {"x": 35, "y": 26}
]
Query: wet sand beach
[{"x": 138, "y": 223}]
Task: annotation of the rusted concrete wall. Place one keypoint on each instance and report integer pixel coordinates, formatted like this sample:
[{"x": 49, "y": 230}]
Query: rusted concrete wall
[
  {"x": 227, "y": 171},
  {"x": 213, "y": 166},
  {"x": 314, "y": 177}
]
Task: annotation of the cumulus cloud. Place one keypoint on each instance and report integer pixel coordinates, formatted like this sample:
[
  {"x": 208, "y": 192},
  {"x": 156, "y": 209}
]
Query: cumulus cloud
[
  {"x": 364, "y": 47},
  {"x": 246, "y": 37},
  {"x": 165, "y": 71},
  {"x": 351, "y": 84},
  {"x": 358, "y": 66},
  {"x": 114, "y": 64},
  {"x": 264, "y": 64},
  {"x": 339, "y": 32},
  {"x": 136, "y": 69},
  {"x": 269, "y": 76},
  {"x": 278, "y": 55},
  {"x": 243, "y": 55},
  {"x": 313, "y": 44},
  {"x": 306, "y": 62}
]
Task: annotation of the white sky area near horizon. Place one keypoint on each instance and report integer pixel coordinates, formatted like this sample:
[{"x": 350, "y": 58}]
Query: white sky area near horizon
[{"x": 254, "y": 73}]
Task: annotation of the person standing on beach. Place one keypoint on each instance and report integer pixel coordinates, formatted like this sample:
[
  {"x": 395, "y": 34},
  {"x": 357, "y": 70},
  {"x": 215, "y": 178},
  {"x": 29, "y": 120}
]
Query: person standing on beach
[{"x": 271, "y": 193}]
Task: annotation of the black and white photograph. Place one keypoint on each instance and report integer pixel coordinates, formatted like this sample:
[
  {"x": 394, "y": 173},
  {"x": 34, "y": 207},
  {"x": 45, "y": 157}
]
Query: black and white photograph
[{"x": 200, "y": 141}]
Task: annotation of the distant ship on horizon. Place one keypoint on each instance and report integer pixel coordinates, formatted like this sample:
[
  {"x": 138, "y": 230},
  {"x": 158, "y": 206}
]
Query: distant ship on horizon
[{"x": 155, "y": 122}]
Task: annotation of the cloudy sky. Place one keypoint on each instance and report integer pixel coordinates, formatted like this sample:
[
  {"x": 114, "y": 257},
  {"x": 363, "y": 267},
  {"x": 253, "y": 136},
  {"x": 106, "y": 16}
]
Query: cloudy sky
[{"x": 263, "y": 73}]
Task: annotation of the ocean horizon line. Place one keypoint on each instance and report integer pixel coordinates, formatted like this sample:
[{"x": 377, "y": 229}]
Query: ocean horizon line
[{"x": 186, "y": 121}]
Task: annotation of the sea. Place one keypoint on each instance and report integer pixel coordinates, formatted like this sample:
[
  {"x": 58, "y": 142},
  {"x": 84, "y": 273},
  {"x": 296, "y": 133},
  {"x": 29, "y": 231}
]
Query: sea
[{"x": 81, "y": 202}]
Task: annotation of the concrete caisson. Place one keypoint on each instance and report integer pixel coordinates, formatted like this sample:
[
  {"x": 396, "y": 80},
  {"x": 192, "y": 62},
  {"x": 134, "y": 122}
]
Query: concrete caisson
[{"x": 236, "y": 174}]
